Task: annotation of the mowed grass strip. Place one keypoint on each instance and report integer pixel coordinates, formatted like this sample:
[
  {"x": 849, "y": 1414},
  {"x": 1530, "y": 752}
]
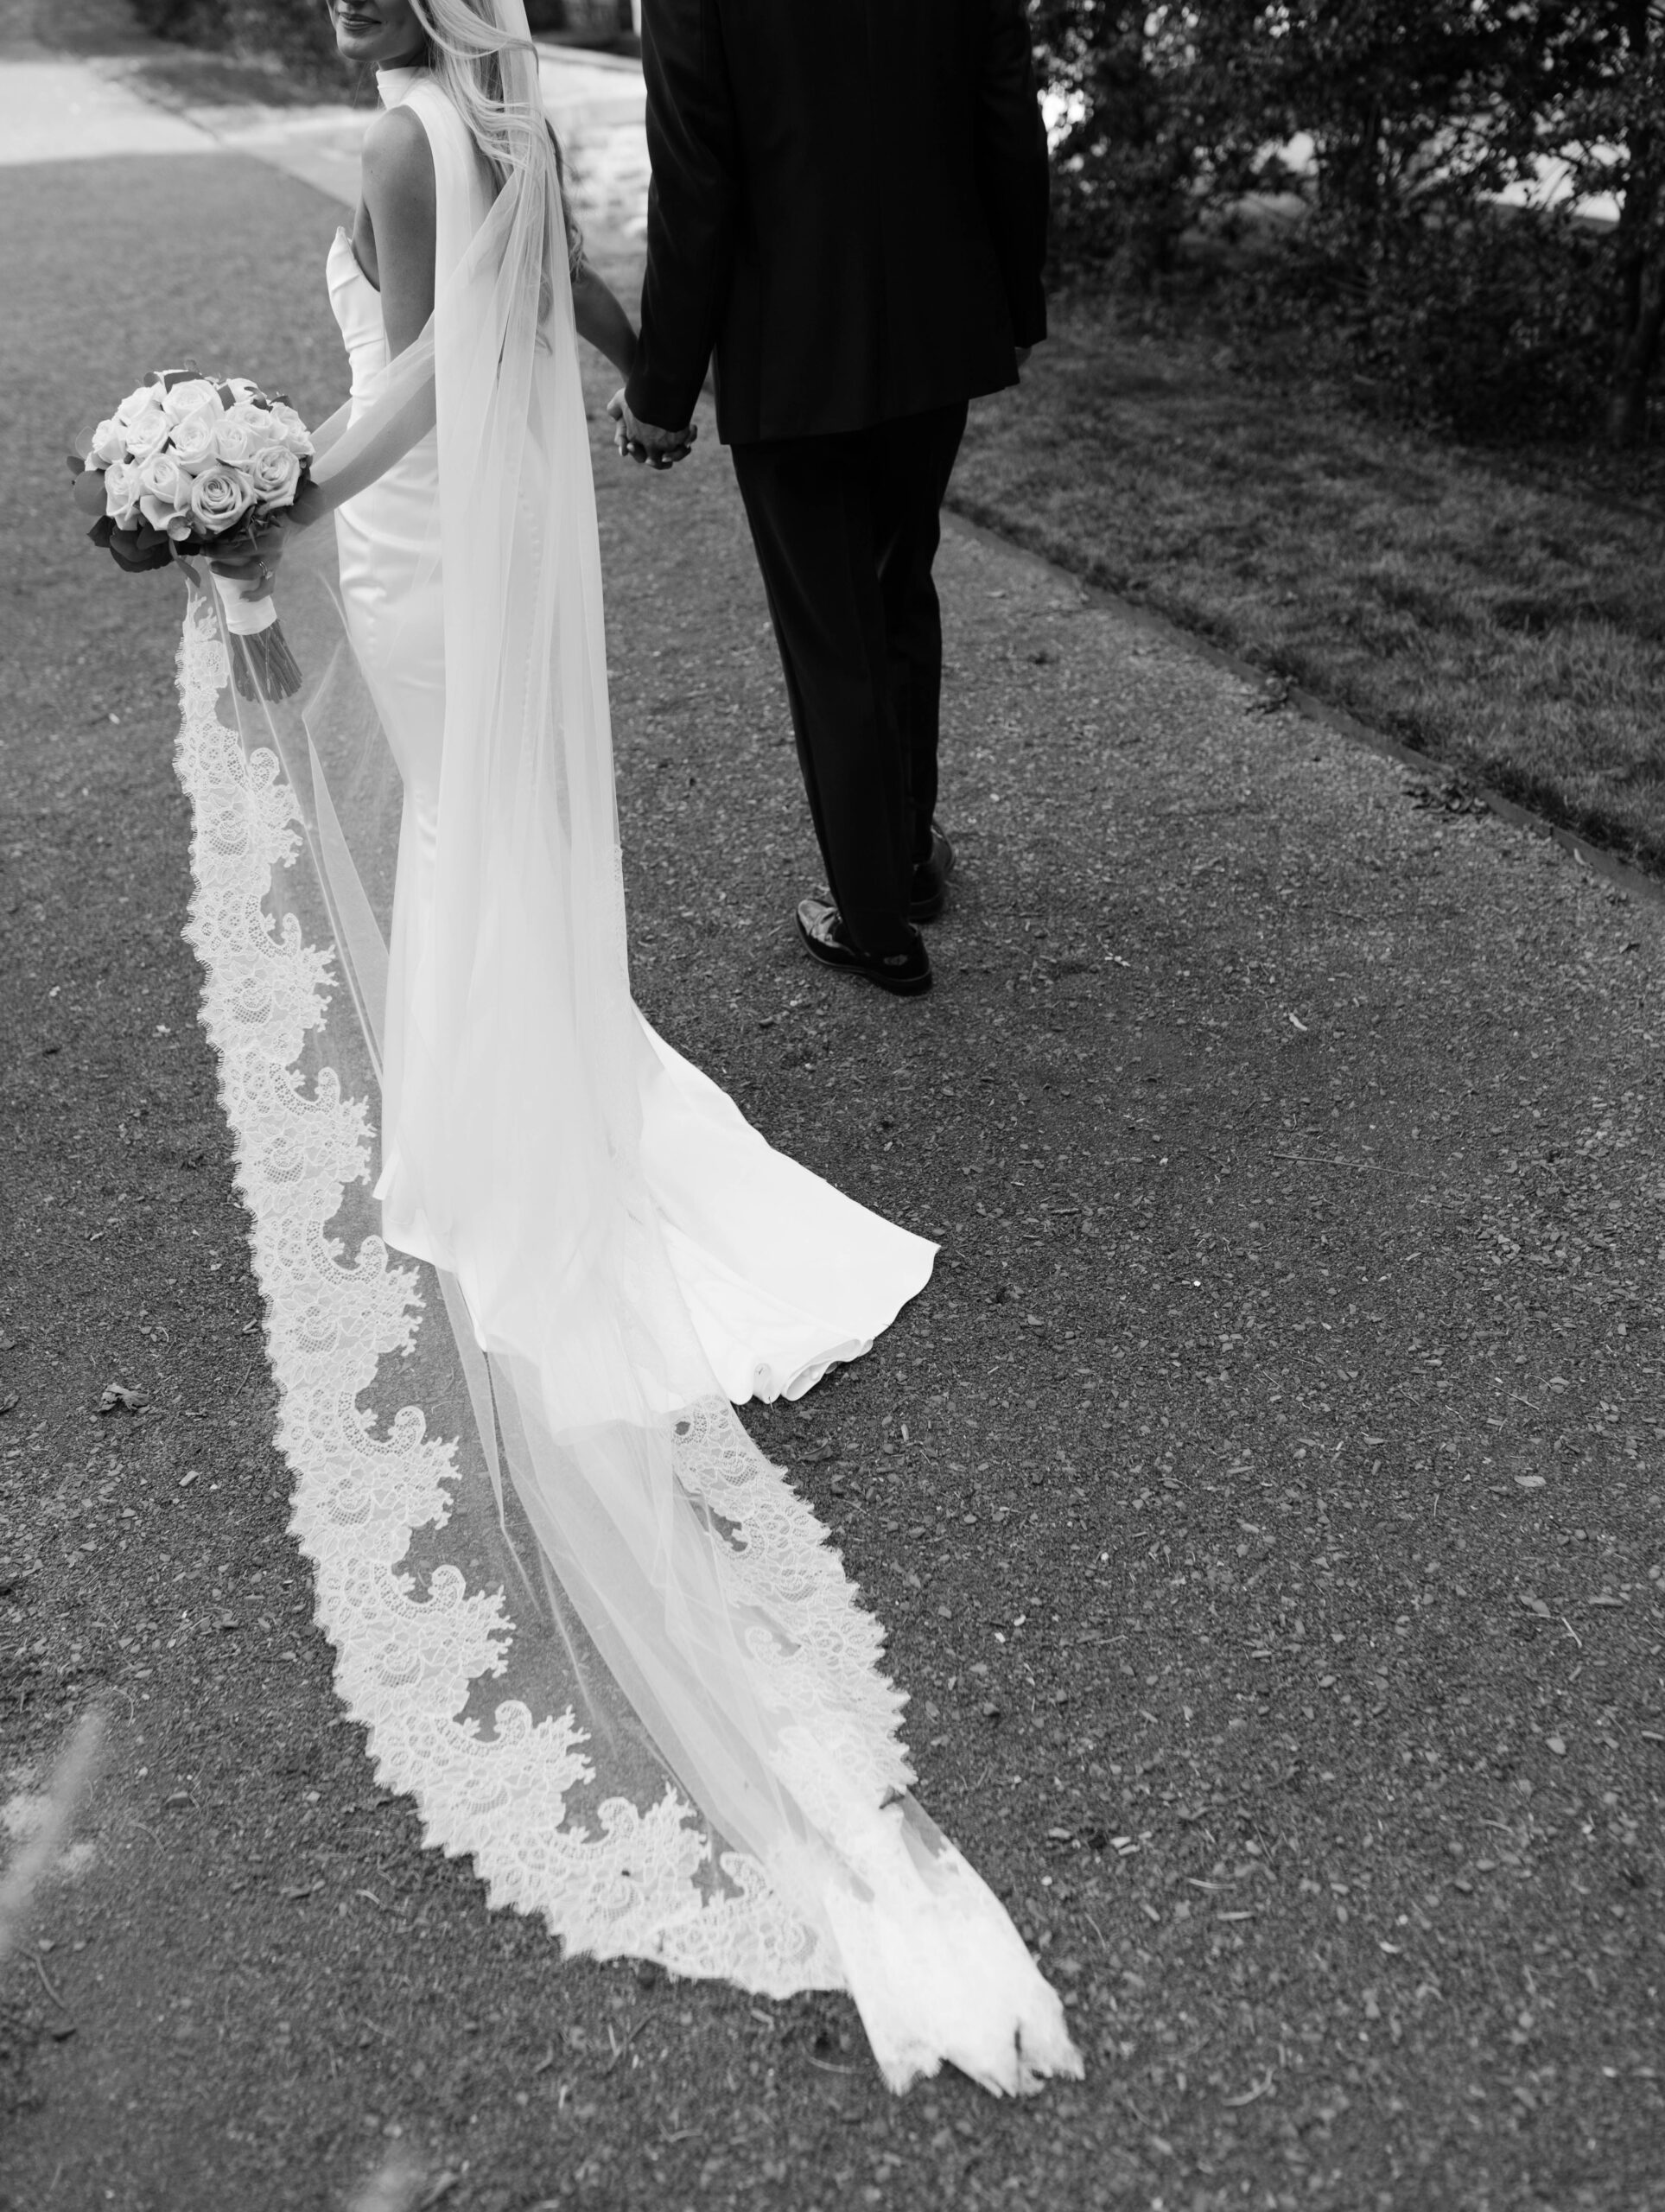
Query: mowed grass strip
[{"x": 1514, "y": 629}]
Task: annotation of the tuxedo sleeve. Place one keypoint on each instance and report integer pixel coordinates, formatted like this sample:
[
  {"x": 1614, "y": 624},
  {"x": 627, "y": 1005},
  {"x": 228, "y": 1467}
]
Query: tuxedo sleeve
[
  {"x": 1013, "y": 176},
  {"x": 692, "y": 207}
]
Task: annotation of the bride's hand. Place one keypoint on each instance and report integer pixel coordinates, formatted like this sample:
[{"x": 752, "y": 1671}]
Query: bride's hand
[{"x": 250, "y": 558}]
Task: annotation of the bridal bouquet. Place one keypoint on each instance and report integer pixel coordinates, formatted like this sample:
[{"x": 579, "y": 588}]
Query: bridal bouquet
[{"x": 192, "y": 465}]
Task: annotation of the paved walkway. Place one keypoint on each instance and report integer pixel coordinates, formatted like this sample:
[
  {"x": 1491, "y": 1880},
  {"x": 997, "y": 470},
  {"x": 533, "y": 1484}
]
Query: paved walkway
[
  {"x": 1264, "y": 1501},
  {"x": 55, "y": 109}
]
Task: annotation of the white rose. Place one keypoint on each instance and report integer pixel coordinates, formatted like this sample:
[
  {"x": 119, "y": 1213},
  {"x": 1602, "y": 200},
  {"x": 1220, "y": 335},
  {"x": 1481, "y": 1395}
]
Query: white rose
[
  {"x": 147, "y": 434},
  {"x": 121, "y": 494},
  {"x": 293, "y": 431},
  {"x": 274, "y": 473},
  {"x": 242, "y": 389},
  {"x": 220, "y": 497},
  {"x": 140, "y": 396},
  {"x": 196, "y": 439},
  {"x": 108, "y": 443},
  {"x": 184, "y": 398},
  {"x": 164, "y": 490},
  {"x": 234, "y": 442}
]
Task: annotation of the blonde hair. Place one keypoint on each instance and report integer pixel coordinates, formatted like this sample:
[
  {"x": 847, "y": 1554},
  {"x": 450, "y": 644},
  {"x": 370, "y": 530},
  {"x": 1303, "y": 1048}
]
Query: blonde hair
[{"x": 467, "y": 44}]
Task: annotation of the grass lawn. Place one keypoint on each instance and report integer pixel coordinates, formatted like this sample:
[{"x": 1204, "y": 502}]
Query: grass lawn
[{"x": 1498, "y": 614}]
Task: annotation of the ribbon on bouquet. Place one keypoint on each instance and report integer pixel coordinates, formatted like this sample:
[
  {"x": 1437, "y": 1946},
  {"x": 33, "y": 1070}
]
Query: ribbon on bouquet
[
  {"x": 263, "y": 667},
  {"x": 246, "y": 612}
]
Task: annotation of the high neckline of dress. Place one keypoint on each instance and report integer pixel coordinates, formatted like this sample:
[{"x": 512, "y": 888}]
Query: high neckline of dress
[{"x": 394, "y": 84}]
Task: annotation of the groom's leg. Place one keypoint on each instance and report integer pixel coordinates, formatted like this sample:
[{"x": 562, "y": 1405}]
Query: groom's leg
[
  {"x": 913, "y": 460},
  {"x": 809, "y": 504}
]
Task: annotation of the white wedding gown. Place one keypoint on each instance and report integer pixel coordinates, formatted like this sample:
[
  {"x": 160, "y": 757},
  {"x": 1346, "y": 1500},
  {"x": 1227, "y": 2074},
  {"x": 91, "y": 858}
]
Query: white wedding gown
[
  {"x": 699, "y": 1762},
  {"x": 781, "y": 1273}
]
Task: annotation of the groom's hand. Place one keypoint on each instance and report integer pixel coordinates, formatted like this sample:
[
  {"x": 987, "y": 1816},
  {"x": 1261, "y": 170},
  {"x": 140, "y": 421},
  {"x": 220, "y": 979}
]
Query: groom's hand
[{"x": 646, "y": 441}]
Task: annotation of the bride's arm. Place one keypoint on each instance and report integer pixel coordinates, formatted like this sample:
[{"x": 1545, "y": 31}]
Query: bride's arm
[
  {"x": 399, "y": 201},
  {"x": 325, "y": 434},
  {"x": 601, "y": 320}
]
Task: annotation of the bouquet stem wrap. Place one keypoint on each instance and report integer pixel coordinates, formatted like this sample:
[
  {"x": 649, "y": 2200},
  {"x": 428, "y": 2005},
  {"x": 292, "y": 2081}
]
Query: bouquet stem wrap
[
  {"x": 246, "y": 613},
  {"x": 262, "y": 666}
]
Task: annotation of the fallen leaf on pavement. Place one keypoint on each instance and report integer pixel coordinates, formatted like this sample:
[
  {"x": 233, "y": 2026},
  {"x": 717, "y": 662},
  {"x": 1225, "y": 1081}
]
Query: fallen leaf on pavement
[{"x": 1248, "y": 2096}]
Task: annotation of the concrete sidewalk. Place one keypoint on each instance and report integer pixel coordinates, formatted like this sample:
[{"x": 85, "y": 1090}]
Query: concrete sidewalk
[
  {"x": 54, "y": 108},
  {"x": 1264, "y": 1501}
]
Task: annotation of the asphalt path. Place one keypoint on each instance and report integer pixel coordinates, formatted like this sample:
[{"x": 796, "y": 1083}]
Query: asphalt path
[{"x": 1263, "y": 1500}]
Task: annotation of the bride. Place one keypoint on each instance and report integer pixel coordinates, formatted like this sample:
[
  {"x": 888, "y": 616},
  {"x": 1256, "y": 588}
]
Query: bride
[{"x": 700, "y": 1762}]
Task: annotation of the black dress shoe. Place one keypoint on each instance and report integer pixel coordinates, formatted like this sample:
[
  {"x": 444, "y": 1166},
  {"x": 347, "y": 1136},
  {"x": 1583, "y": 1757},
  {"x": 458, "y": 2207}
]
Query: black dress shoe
[
  {"x": 928, "y": 893},
  {"x": 825, "y": 938}
]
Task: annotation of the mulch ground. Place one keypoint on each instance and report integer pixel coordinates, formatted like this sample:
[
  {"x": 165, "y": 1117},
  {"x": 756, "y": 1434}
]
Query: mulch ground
[{"x": 1264, "y": 1499}]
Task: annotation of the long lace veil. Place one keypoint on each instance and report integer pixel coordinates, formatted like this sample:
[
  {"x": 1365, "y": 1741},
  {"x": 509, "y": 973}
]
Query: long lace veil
[{"x": 585, "y": 1622}]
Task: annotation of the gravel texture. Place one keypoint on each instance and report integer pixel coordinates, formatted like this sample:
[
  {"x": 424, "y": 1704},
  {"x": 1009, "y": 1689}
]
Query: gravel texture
[{"x": 1263, "y": 1500}]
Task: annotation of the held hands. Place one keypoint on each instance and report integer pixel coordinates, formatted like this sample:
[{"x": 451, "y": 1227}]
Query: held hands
[{"x": 644, "y": 442}]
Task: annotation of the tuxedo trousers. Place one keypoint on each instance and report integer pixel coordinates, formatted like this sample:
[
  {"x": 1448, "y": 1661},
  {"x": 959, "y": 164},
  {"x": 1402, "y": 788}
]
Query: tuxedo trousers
[{"x": 845, "y": 529}]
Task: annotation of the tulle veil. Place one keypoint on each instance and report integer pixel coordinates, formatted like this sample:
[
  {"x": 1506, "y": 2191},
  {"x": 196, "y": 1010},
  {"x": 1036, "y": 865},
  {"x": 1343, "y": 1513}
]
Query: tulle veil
[{"x": 585, "y": 1622}]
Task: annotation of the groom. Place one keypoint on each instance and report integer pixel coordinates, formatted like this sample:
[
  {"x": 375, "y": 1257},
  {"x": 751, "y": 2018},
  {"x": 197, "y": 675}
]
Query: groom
[{"x": 849, "y": 207}]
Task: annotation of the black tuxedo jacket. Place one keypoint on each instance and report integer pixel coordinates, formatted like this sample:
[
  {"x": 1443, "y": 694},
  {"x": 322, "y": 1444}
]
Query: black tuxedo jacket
[{"x": 849, "y": 207}]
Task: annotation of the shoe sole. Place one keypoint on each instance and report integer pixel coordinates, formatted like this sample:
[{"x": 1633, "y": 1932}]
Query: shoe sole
[{"x": 913, "y": 988}]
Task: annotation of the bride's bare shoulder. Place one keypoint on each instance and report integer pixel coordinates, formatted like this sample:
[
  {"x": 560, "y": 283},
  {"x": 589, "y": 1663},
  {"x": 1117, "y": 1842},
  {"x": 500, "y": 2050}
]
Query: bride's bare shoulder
[{"x": 399, "y": 162}]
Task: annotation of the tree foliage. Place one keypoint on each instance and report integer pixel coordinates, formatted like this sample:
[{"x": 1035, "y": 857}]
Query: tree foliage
[
  {"x": 297, "y": 32},
  {"x": 1394, "y": 124}
]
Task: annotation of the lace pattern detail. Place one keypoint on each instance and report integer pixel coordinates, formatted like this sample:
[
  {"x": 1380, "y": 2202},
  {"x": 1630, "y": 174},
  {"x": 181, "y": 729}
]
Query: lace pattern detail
[{"x": 636, "y": 1881}]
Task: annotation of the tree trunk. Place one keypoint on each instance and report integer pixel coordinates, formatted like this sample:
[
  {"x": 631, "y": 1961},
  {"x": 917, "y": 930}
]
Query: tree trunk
[
  {"x": 1641, "y": 243},
  {"x": 1627, "y": 408}
]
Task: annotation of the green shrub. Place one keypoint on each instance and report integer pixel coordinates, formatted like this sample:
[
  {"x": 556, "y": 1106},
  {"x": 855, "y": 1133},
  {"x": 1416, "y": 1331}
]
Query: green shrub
[
  {"x": 1414, "y": 113},
  {"x": 1485, "y": 322},
  {"x": 298, "y": 33},
  {"x": 193, "y": 22},
  {"x": 1497, "y": 325}
]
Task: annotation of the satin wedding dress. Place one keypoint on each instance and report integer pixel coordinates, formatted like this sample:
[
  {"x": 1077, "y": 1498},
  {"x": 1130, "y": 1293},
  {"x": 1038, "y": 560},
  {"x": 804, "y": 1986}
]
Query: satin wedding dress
[
  {"x": 520, "y": 1259},
  {"x": 782, "y": 1275}
]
